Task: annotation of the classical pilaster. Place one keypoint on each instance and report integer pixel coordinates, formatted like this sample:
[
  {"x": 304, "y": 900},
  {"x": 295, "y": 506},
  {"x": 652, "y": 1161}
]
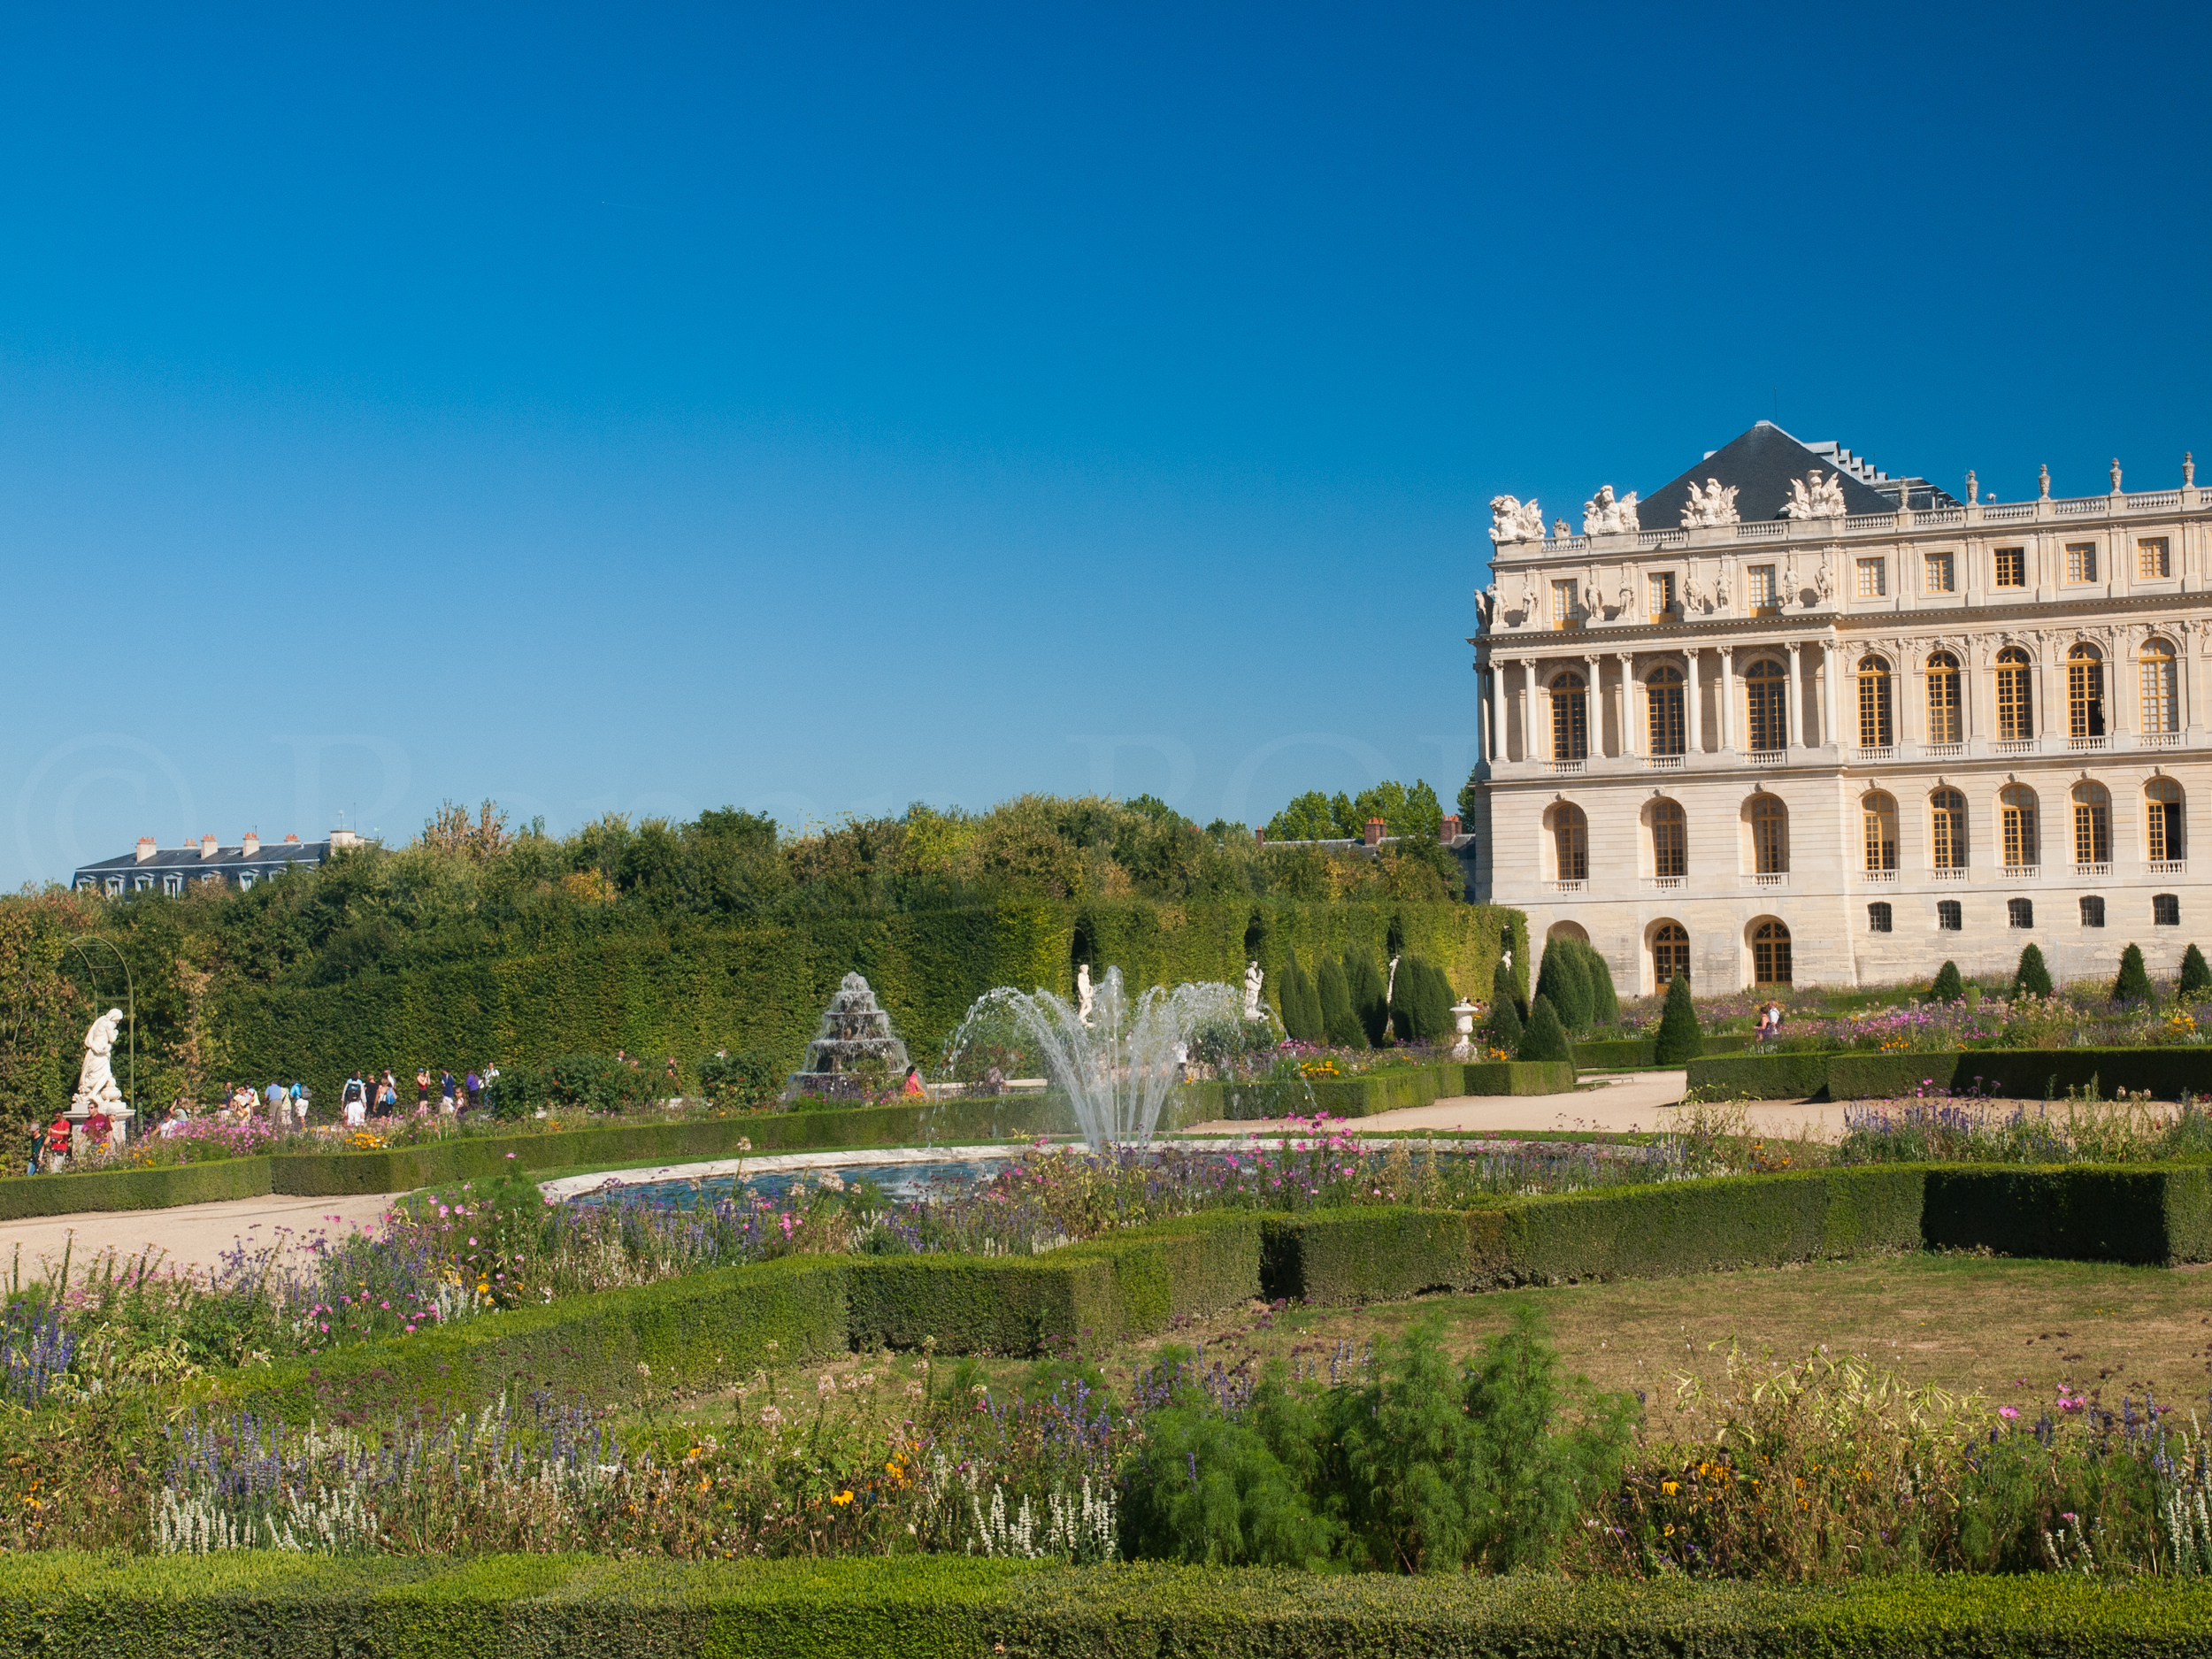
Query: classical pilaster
[
  {"x": 1828, "y": 650},
  {"x": 1528, "y": 709},
  {"x": 1632, "y": 742},
  {"x": 1793, "y": 715},
  {"x": 1595, "y": 665},
  {"x": 1727, "y": 699},
  {"x": 1695, "y": 709}
]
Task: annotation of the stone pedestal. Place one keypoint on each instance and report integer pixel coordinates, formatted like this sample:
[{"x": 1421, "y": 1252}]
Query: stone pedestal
[{"x": 119, "y": 1117}]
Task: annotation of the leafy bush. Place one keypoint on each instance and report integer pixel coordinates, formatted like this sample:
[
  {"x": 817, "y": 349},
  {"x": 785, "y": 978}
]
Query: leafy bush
[
  {"x": 1948, "y": 987},
  {"x": 1679, "y": 1040},
  {"x": 748, "y": 1078},
  {"x": 1337, "y": 1021},
  {"x": 1562, "y": 981},
  {"x": 1546, "y": 1038},
  {"x": 2195, "y": 975},
  {"x": 1364, "y": 983},
  {"x": 2133, "y": 985},
  {"x": 576, "y": 1082},
  {"x": 2031, "y": 978}
]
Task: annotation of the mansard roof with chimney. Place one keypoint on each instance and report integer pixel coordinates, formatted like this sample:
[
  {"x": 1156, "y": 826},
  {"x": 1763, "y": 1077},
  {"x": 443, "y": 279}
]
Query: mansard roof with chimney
[
  {"x": 1760, "y": 465},
  {"x": 152, "y": 868}
]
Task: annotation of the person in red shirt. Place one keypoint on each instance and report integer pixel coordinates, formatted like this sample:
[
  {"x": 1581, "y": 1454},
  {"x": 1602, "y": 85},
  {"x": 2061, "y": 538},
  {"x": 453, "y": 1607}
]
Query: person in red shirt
[{"x": 57, "y": 1139}]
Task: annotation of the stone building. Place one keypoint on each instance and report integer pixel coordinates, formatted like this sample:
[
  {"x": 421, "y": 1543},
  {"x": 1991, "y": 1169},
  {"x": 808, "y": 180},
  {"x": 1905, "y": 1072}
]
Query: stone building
[
  {"x": 1792, "y": 719},
  {"x": 153, "y": 869}
]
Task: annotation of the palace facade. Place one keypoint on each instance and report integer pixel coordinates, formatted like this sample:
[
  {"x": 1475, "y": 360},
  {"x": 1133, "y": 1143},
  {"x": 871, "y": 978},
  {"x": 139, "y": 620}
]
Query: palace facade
[{"x": 1792, "y": 719}]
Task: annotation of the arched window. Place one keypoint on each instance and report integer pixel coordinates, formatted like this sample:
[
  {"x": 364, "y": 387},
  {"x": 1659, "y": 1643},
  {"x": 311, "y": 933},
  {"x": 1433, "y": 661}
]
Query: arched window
[
  {"x": 1766, "y": 696},
  {"x": 2085, "y": 692},
  {"x": 2016, "y": 700},
  {"x": 2161, "y": 692},
  {"x": 1875, "y": 726},
  {"x": 1946, "y": 829},
  {"x": 1945, "y": 721},
  {"x": 2016, "y": 807},
  {"x": 1570, "y": 841},
  {"x": 1669, "y": 840},
  {"x": 1663, "y": 698},
  {"x": 1770, "y": 835},
  {"x": 2161, "y": 815},
  {"x": 1569, "y": 719},
  {"x": 1670, "y": 953},
  {"x": 2093, "y": 825},
  {"x": 1880, "y": 818},
  {"x": 1770, "y": 954}
]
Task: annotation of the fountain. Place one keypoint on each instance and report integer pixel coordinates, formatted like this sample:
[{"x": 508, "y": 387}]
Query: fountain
[
  {"x": 1117, "y": 1068},
  {"x": 852, "y": 1047}
]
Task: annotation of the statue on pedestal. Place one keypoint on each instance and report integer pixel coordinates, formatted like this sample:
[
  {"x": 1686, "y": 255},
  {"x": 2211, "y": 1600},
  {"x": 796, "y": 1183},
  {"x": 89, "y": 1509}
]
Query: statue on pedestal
[
  {"x": 1253, "y": 979},
  {"x": 97, "y": 1092},
  {"x": 1085, "y": 992}
]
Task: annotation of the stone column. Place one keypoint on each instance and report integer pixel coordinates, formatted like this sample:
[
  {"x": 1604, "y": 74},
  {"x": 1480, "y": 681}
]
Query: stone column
[
  {"x": 1695, "y": 710},
  {"x": 2050, "y": 712},
  {"x": 1829, "y": 715},
  {"x": 1727, "y": 699},
  {"x": 1528, "y": 709},
  {"x": 2123, "y": 683},
  {"x": 1595, "y": 665},
  {"x": 1912, "y": 694},
  {"x": 1793, "y": 711},
  {"x": 1482, "y": 713},
  {"x": 1632, "y": 743}
]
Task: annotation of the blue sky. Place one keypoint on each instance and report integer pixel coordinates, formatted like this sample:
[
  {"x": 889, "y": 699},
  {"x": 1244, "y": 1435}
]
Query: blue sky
[{"x": 816, "y": 410}]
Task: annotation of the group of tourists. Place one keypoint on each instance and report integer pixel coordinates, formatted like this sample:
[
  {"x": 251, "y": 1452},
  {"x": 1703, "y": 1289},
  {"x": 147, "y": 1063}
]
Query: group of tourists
[{"x": 367, "y": 1095}]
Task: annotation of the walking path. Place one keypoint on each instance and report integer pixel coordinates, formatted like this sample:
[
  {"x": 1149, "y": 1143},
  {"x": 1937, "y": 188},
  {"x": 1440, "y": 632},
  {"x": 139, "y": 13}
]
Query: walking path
[{"x": 187, "y": 1236}]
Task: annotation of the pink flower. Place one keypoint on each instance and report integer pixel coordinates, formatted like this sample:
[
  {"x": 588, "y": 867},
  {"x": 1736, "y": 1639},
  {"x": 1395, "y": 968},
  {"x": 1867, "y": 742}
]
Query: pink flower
[{"x": 2008, "y": 1411}]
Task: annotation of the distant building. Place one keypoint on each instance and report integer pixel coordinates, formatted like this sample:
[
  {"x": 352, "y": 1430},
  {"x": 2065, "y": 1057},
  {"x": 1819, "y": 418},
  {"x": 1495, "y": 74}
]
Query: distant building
[
  {"x": 1370, "y": 846},
  {"x": 151, "y": 870}
]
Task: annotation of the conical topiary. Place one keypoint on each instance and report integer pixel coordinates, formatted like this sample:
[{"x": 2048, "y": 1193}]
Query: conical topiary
[
  {"x": 2133, "y": 985},
  {"x": 1337, "y": 1019},
  {"x": 1505, "y": 989},
  {"x": 1948, "y": 988},
  {"x": 2031, "y": 978},
  {"x": 1302, "y": 1009},
  {"x": 1605, "y": 1003},
  {"x": 1364, "y": 983},
  {"x": 1559, "y": 980},
  {"x": 2195, "y": 976},
  {"x": 1546, "y": 1038},
  {"x": 1504, "y": 1026},
  {"x": 1680, "y": 1040}
]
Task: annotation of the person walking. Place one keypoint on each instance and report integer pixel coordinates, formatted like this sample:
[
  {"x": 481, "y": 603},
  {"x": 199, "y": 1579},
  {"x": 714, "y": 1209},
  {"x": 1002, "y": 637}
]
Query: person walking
[
  {"x": 58, "y": 1142},
  {"x": 356, "y": 1103},
  {"x": 422, "y": 1089},
  {"x": 445, "y": 1093},
  {"x": 475, "y": 1087}
]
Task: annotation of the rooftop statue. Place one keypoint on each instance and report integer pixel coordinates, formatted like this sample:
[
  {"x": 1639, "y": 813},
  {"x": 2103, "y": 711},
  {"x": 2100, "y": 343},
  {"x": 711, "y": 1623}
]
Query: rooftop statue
[
  {"x": 1716, "y": 503},
  {"x": 1512, "y": 521},
  {"x": 1604, "y": 515},
  {"x": 1815, "y": 497}
]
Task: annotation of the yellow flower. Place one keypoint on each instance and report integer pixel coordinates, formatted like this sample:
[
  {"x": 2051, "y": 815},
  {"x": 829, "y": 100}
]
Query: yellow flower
[
  {"x": 842, "y": 1498},
  {"x": 1669, "y": 1487}
]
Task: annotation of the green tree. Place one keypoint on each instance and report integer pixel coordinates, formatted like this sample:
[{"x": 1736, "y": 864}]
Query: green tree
[
  {"x": 1546, "y": 1038},
  {"x": 2031, "y": 978},
  {"x": 1364, "y": 984},
  {"x": 2195, "y": 976},
  {"x": 2133, "y": 985},
  {"x": 1948, "y": 987},
  {"x": 1306, "y": 817},
  {"x": 1680, "y": 1040},
  {"x": 1338, "y": 1018},
  {"x": 1560, "y": 981}
]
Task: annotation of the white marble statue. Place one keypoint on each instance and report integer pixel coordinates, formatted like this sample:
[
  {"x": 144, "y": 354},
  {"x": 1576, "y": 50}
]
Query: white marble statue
[
  {"x": 1085, "y": 994},
  {"x": 1511, "y": 520},
  {"x": 1720, "y": 591},
  {"x": 1604, "y": 514},
  {"x": 1716, "y": 503},
  {"x": 95, "y": 1083},
  {"x": 1253, "y": 979},
  {"x": 1815, "y": 495},
  {"x": 1791, "y": 591},
  {"x": 1528, "y": 597},
  {"x": 1824, "y": 583}
]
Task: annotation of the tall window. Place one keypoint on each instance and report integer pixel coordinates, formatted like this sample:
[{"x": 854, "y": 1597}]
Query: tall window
[
  {"x": 2093, "y": 825},
  {"x": 2081, "y": 561},
  {"x": 1571, "y": 840},
  {"x": 1946, "y": 829},
  {"x": 1875, "y": 728},
  {"x": 1945, "y": 722},
  {"x": 2085, "y": 692},
  {"x": 1670, "y": 953},
  {"x": 1873, "y": 581},
  {"x": 2151, "y": 560},
  {"x": 1770, "y": 835},
  {"x": 2015, "y": 698},
  {"x": 1880, "y": 816},
  {"x": 1770, "y": 954},
  {"x": 1766, "y": 693},
  {"x": 2161, "y": 699},
  {"x": 1661, "y": 588},
  {"x": 1938, "y": 573},
  {"x": 1563, "y": 604},
  {"x": 2011, "y": 568},
  {"x": 1762, "y": 601},
  {"x": 1669, "y": 839},
  {"x": 2016, "y": 807},
  {"x": 2161, "y": 815},
  {"x": 1569, "y": 719},
  {"x": 1663, "y": 703}
]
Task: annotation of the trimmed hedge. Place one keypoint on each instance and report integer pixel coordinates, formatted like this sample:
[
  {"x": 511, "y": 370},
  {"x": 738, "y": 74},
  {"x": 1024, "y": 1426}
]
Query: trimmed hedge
[
  {"x": 1762, "y": 1076},
  {"x": 2148, "y": 1216},
  {"x": 1364, "y": 1096},
  {"x": 1635, "y": 1051},
  {"x": 265, "y": 1605},
  {"x": 24, "y": 1196},
  {"x": 2022, "y": 1073},
  {"x": 1517, "y": 1077}
]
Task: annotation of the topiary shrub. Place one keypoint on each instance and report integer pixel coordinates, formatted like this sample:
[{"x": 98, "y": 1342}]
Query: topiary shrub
[
  {"x": 1505, "y": 992},
  {"x": 1546, "y": 1038},
  {"x": 747, "y": 1078},
  {"x": 1560, "y": 982},
  {"x": 1337, "y": 1019},
  {"x": 1422, "y": 1006},
  {"x": 2031, "y": 978},
  {"x": 2195, "y": 976},
  {"x": 2133, "y": 984},
  {"x": 1680, "y": 1040},
  {"x": 1605, "y": 1004},
  {"x": 1302, "y": 1004},
  {"x": 1364, "y": 984},
  {"x": 1504, "y": 1026},
  {"x": 1948, "y": 988}
]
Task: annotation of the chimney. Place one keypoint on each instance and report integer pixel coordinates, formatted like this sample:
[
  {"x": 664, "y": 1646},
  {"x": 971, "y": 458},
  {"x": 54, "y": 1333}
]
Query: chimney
[
  {"x": 207, "y": 846},
  {"x": 1449, "y": 831},
  {"x": 145, "y": 848},
  {"x": 291, "y": 840},
  {"x": 1375, "y": 828},
  {"x": 252, "y": 843},
  {"x": 1259, "y": 836}
]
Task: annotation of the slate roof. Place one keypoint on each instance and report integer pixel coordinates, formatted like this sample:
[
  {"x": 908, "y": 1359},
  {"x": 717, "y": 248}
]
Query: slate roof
[
  {"x": 1760, "y": 464},
  {"x": 228, "y": 862}
]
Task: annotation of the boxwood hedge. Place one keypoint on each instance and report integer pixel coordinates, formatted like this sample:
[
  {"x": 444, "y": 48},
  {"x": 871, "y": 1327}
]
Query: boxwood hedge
[
  {"x": 270, "y": 1606},
  {"x": 2029, "y": 1073},
  {"x": 1762, "y": 1076}
]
